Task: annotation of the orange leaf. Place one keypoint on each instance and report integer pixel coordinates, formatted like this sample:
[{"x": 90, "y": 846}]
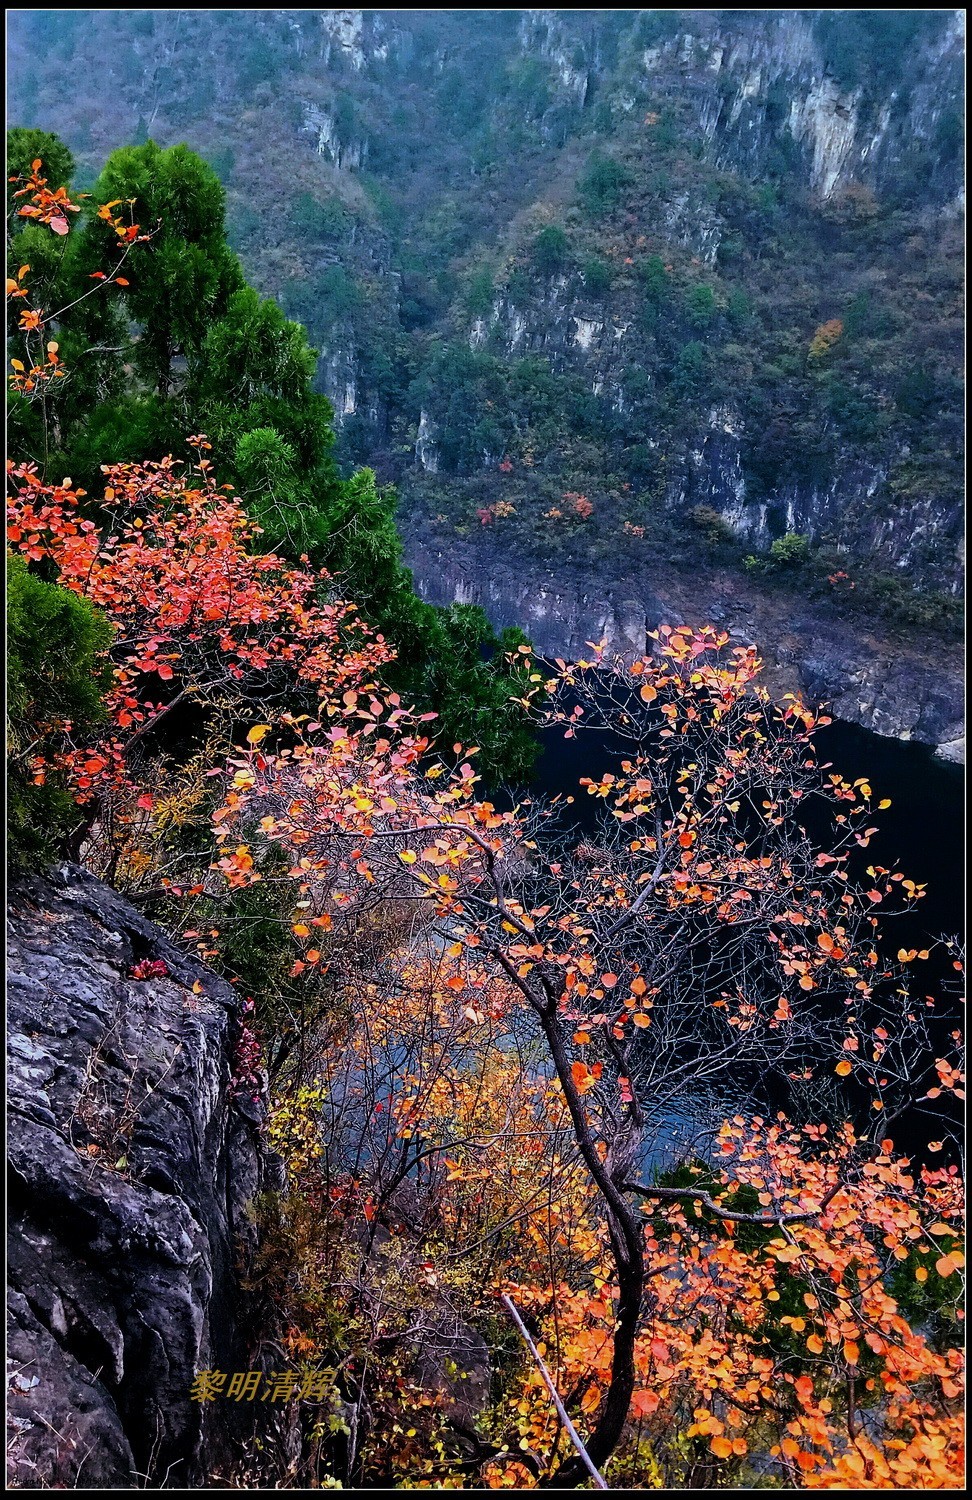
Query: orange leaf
[{"x": 584, "y": 1077}]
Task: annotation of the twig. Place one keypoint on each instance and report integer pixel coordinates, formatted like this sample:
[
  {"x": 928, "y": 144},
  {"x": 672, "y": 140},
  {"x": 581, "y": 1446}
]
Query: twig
[{"x": 572, "y": 1432}]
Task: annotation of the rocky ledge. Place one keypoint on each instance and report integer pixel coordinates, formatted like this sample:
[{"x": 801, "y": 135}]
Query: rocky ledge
[{"x": 133, "y": 1155}]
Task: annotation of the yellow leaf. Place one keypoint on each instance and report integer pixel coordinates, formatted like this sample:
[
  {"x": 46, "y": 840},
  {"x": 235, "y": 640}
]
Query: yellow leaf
[
  {"x": 843, "y": 1068},
  {"x": 257, "y": 733}
]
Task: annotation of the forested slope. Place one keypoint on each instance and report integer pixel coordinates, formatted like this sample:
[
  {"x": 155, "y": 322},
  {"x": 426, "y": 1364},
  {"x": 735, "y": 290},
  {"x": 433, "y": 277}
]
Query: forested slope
[{"x": 617, "y": 285}]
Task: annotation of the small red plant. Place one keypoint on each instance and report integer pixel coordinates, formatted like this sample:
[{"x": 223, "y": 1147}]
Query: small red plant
[{"x": 149, "y": 968}]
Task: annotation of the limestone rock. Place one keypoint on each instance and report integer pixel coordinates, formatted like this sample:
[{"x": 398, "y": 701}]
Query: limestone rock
[{"x": 131, "y": 1166}]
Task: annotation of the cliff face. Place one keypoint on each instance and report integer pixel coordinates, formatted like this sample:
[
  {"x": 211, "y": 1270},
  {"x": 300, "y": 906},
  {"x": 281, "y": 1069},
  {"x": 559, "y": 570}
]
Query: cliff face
[
  {"x": 865, "y": 676},
  {"x": 132, "y": 1160},
  {"x": 750, "y": 304}
]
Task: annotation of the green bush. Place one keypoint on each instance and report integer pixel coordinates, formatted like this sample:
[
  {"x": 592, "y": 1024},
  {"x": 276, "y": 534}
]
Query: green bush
[
  {"x": 700, "y": 305},
  {"x": 790, "y": 551},
  {"x": 25, "y": 145},
  {"x": 598, "y": 277},
  {"x": 713, "y": 526},
  {"x": 603, "y": 184},
  {"x": 550, "y": 250},
  {"x": 56, "y": 674}
]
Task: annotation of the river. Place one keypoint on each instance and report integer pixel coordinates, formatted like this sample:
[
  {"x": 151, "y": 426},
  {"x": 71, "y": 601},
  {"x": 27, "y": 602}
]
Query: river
[{"x": 922, "y": 832}]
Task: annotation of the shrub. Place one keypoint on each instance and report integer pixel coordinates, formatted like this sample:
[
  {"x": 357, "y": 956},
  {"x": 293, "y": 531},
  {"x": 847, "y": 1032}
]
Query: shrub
[
  {"x": 790, "y": 551},
  {"x": 550, "y": 250},
  {"x": 700, "y": 305},
  {"x": 603, "y": 184},
  {"x": 597, "y": 277},
  {"x": 55, "y": 678},
  {"x": 713, "y": 526}
]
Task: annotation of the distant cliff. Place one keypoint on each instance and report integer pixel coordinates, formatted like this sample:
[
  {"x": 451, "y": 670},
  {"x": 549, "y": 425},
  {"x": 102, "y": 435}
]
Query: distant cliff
[
  {"x": 592, "y": 278},
  {"x": 867, "y": 675},
  {"x": 132, "y": 1160}
]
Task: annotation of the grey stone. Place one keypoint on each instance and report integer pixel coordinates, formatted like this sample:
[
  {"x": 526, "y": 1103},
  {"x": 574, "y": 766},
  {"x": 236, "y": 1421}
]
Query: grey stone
[{"x": 131, "y": 1168}]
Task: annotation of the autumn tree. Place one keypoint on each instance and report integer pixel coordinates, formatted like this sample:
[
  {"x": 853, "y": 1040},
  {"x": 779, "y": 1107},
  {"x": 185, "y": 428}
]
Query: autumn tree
[
  {"x": 184, "y": 346},
  {"x": 198, "y": 616},
  {"x": 703, "y": 947}
]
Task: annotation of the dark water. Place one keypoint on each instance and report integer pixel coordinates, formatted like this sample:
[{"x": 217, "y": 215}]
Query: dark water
[{"x": 922, "y": 833}]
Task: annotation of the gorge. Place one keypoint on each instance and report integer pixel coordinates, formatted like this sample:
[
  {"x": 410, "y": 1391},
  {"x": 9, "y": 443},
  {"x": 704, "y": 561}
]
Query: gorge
[
  {"x": 698, "y": 268},
  {"x": 419, "y": 1030}
]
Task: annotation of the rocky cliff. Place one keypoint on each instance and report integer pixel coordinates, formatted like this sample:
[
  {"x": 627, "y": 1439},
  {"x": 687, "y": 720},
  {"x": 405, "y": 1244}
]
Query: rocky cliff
[
  {"x": 654, "y": 262},
  {"x": 132, "y": 1157},
  {"x": 867, "y": 675}
]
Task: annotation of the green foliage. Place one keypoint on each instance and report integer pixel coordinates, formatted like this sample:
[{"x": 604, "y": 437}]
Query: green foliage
[
  {"x": 603, "y": 185},
  {"x": 654, "y": 278},
  {"x": 315, "y": 221},
  {"x": 529, "y": 83},
  {"x": 56, "y": 674},
  {"x": 598, "y": 276},
  {"x": 25, "y": 146},
  {"x": 181, "y": 280},
  {"x": 188, "y": 347},
  {"x": 479, "y": 298},
  {"x": 872, "y": 47},
  {"x": 700, "y": 305},
  {"x": 252, "y": 352},
  {"x": 340, "y": 292},
  {"x": 712, "y": 524},
  {"x": 550, "y": 250},
  {"x": 738, "y": 308},
  {"x": 790, "y": 550},
  {"x": 691, "y": 369}
]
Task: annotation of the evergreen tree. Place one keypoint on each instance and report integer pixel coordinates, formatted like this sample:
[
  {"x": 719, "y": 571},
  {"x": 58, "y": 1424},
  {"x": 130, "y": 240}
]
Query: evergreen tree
[{"x": 184, "y": 346}]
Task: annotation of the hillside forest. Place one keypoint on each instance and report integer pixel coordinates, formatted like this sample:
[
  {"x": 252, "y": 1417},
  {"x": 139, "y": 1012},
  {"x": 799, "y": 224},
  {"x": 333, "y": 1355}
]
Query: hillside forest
[{"x": 623, "y": 1155}]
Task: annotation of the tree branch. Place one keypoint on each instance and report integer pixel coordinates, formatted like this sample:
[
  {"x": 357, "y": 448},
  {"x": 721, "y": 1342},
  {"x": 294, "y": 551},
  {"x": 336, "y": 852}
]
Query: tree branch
[{"x": 571, "y": 1430}]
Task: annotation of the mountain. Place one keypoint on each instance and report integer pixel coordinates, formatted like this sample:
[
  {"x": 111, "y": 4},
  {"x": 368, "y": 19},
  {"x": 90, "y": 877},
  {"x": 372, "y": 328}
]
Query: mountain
[{"x": 636, "y": 305}]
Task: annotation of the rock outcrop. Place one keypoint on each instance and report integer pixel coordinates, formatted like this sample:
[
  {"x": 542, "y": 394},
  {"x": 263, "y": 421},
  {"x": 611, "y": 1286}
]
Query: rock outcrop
[{"x": 133, "y": 1155}]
